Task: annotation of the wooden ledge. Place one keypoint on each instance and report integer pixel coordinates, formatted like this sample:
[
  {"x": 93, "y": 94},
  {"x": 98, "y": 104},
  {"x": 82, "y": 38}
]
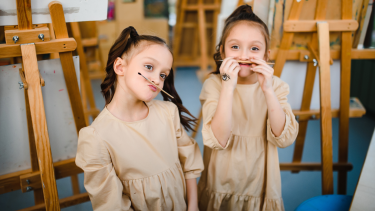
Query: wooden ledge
[
  {"x": 52, "y": 46},
  {"x": 17, "y": 180},
  {"x": 356, "y": 110},
  {"x": 335, "y": 54},
  {"x": 314, "y": 166},
  {"x": 311, "y": 25},
  {"x": 65, "y": 202}
]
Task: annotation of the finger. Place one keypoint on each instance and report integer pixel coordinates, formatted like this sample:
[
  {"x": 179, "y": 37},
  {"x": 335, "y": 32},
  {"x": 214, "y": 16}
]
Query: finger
[
  {"x": 227, "y": 67},
  {"x": 232, "y": 66},
  {"x": 224, "y": 63},
  {"x": 266, "y": 68},
  {"x": 260, "y": 62},
  {"x": 261, "y": 71},
  {"x": 236, "y": 70}
]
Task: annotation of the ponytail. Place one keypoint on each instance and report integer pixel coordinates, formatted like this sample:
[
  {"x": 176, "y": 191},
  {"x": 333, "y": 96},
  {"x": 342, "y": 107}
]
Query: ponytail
[
  {"x": 129, "y": 38},
  {"x": 121, "y": 45},
  {"x": 186, "y": 121}
]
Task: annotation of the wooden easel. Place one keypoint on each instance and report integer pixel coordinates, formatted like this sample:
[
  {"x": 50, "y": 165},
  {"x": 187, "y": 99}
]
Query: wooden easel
[
  {"x": 42, "y": 176},
  {"x": 192, "y": 45},
  {"x": 319, "y": 53},
  {"x": 87, "y": 93},
  {"x": 193, "y": 17}
]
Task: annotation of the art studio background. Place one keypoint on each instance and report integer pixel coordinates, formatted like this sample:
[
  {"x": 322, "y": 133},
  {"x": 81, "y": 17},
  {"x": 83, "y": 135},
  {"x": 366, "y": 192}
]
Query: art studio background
[{"x": 179, "y": 23}]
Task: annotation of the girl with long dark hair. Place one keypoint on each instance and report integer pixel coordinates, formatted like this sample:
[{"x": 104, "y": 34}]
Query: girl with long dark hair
[{"x": 136, "y": 155}]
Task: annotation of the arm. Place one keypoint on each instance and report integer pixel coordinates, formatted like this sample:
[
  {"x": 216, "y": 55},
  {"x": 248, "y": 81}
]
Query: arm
[
  {"x": 100, "y": 179},
  {"x": 282, "y": 127},
  {"x": 276, "y": 114},
  {"x": 192, "y": 194},
  {"x": 222, "y": 121},
  {"x": 190, "y": 158}
]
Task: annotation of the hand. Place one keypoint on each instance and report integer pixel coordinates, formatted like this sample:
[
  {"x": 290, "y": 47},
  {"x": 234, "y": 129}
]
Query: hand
[
  {"x": 264, "y": 73},
  {"x": 230, "y": 67}
]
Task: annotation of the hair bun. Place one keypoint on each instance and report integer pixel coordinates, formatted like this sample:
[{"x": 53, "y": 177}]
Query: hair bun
[
  {"x": 246, "y": 9},
  {"x": 133, "y": 33}
]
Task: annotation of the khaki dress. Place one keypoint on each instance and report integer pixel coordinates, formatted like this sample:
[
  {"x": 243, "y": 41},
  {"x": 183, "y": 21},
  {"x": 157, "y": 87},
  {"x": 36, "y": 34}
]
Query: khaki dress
[
  {"x": 139, "y": 165},
  {"x": 245, "y": 174}
]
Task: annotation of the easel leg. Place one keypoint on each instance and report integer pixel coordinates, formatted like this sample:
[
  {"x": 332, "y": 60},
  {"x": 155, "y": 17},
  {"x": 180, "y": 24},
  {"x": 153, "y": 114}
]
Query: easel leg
[
  {"x": 38, "y": 117},
  {"x": 287, "y": 39},
  {"x": 66, "y": 58},
  {"x": 306, "y": 101},
  {"x": 346, "y": 47},
  {"x": 75, "y": 184},
  {"x": 93, "y": 111},
  {"x": 38, "y": 193},
  {"x": 325, "y": 108},
  {"x": 202, "y": 36},
  {"x": 178, "y": 28}
]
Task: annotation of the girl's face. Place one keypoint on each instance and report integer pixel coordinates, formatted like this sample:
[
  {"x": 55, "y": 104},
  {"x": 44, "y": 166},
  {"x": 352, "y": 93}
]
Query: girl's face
[
  {"x": 245, "y": 41},
  {"x": 154, "y": 61}
]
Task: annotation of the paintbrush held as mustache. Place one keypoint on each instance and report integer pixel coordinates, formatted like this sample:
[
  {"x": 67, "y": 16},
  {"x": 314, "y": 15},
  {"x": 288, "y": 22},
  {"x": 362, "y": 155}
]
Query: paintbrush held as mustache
[
  {"x": 155, "y": 85},
  {"x": 245, "y": 62}
]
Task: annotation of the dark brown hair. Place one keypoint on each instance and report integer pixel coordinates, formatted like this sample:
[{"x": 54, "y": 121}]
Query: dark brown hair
[
  {"x": 125, "y": 43},
  {"x": 242, "y": 13}
]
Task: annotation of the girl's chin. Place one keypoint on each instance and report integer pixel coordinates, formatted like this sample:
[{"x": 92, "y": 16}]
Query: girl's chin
[
  {"x": 243, "y": 73},
  {"x": 148, "y": 97}
]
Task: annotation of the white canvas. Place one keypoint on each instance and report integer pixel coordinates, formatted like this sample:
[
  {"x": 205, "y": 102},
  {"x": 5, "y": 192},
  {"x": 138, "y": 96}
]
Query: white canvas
[
  {"x": 14, "y": 140},
  {"x": 74, "y": 11}
]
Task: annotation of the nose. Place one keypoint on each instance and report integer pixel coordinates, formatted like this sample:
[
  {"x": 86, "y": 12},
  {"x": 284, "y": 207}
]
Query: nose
[
  {"x": 244, "y": 55},
  {"x": 156, "y": 79}
]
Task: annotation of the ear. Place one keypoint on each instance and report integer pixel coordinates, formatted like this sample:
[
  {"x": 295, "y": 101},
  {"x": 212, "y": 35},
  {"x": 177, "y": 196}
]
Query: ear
[
  {"x": 268, "y": 54},
  {"x": 119, "y": 66}
]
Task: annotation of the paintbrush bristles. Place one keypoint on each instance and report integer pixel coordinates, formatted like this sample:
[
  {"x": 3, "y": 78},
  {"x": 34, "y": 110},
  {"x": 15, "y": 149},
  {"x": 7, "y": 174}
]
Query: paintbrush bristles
[{"x": 155, "y": 85}]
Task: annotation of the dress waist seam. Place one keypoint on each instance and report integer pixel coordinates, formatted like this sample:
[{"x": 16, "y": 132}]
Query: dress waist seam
[{"x": 178, "y": 166}]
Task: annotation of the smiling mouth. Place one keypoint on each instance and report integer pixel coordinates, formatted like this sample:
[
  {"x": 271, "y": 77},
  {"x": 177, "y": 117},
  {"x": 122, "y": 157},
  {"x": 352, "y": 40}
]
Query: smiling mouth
[{"x": 245, "y": 64}]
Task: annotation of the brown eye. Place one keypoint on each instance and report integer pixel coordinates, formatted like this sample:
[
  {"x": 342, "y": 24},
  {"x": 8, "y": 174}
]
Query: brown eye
[
  {"x": 149, "y": 67},
  {"x": 163, "y": 76},
  {"x": 235, "y": 47}
]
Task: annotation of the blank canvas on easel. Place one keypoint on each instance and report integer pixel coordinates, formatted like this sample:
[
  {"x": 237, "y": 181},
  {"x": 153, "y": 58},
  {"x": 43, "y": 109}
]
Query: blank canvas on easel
[{"x": 14, "y": 141}]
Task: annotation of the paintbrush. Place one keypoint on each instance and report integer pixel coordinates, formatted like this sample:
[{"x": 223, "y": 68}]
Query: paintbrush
[
  {"x": 155, "y": 85},
  {"x": 246, "y": 62}
]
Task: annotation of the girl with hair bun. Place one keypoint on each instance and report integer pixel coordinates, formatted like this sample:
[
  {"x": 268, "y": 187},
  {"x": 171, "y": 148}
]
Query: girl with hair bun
[
  {"x": 136, "y": 155},
  {"x": 246, "y": 116}
]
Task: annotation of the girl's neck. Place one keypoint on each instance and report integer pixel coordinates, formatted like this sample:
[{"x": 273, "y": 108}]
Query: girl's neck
[{"x": 127, "y": 107}]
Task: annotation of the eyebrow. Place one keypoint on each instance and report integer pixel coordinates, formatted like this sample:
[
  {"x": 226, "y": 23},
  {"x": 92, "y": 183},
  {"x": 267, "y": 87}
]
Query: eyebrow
[
  {"x": 152, "y": 59},
  {"x": 256, "y": 41},
  {"x": 166, "y": 69}
]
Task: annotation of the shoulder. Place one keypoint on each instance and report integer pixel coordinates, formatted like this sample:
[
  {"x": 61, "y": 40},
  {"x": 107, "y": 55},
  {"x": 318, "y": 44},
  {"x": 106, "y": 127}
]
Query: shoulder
[
  {"x": 165, "y": 107},
  {"x": 100, "y": 127},
  {"x": 279, "y": 85},
  {"x": 211, "y": 87},
  {"x": 88, "y": 136},
  {"x": 212, "y": 81}
]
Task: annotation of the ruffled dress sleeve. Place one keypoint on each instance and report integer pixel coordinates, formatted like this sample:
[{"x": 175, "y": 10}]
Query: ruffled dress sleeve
[
  {"x": 188, "y": 150},
  {"x": 100, "y": 179},
  {"x": 290, "y": 130},
  {"x": 209, "y": 98}
]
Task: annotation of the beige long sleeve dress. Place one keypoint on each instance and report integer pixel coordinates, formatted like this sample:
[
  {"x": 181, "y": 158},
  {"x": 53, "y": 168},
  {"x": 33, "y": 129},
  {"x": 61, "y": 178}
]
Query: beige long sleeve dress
[
  {"x": 245, "y": 174},
  {"x": 138, "y": 165}
]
